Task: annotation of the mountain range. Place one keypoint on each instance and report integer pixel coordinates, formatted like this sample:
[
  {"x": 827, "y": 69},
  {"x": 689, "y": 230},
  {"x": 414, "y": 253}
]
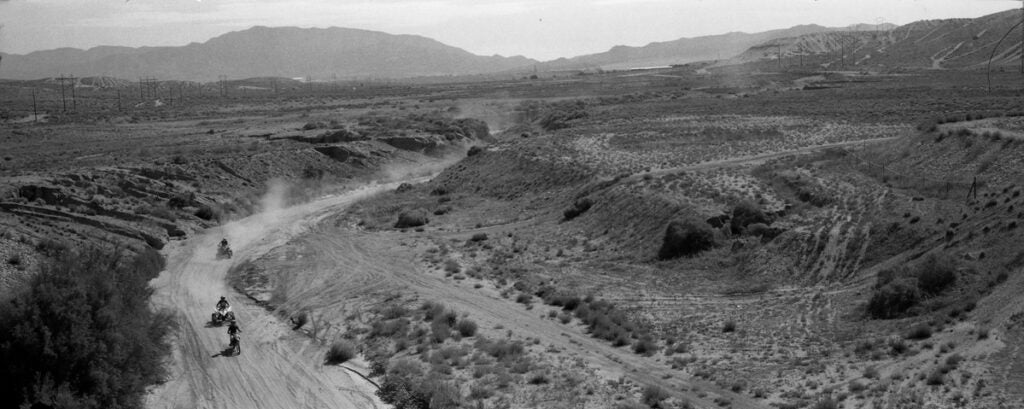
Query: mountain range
[{"x": 342, "y": 53}]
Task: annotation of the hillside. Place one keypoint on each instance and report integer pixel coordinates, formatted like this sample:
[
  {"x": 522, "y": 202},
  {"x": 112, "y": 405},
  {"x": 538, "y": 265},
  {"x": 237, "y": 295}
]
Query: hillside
[
  {"x": 267, "y": 52},
  {"x": 686, "y": 50},
  {"x": 934, "y": 44}
]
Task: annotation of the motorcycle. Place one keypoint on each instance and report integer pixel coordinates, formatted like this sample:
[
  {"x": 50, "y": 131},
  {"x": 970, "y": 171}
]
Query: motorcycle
[
  {"x": 222, "y": 315},
  {"x": 235, "y": 345},
  {"x": 224, "y": 251}
]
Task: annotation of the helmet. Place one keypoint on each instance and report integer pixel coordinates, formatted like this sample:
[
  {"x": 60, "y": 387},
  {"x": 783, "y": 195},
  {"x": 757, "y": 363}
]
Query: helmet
[{"x": 222, "y": 297}]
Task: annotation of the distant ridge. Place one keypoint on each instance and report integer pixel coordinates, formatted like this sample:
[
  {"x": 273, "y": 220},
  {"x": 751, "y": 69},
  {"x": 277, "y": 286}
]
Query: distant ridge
[
  {"x": 267, "y": 52},
  {"x": 687, "y": 50},
  {"x": 929, "y": 44}
]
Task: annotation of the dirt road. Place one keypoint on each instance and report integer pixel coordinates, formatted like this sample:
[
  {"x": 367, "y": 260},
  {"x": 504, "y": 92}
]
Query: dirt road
[{"x": 277, "y": 368}]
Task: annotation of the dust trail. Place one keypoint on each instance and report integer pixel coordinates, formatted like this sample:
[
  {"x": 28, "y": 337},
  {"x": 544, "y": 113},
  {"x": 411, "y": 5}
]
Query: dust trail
[
  {"x": 497, "y": 113},
  {"x": 420, "y": 170}
]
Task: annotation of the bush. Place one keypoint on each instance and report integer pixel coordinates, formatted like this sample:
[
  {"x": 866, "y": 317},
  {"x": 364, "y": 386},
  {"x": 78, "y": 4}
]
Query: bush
[
  {"x": 921, "y": 331},
  {"x": 440, "y": 331},
  {"x": 432, "y": 309},
  {"x": 478, "y": 237},
  {"x": 645, "y": 346},
  {"x": 578, "y": 208},
  {"x": 340, "y": 352},
  {"x": 686, "y": 238},
  {"x": 654, "y": 395},
  {"x": 82, "y": 332},
  {"x": 466, "y": 328},
  {"x": 893, "y": 299},
  {"x": 935, "y": 274},
  {"x": 205, "y": 212},
  {"x": 412, "y": 218},
  {"x": 729, "y": 326},
  {"x": 744, "y": 214},
  {"x": 474, "y": 150}
]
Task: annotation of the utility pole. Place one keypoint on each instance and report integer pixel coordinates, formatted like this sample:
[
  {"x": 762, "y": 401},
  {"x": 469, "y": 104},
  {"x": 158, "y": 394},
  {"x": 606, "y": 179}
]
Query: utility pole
[
  {"x": 74, "y": 100},
  {"x": 780, "y": 56},
  {"x": 35, "y": 112},
  {"x": 1022, "y": 39},
  {"x": 223, "y": 79},
  {"x": 63, "y": 101},
  {"x": 118, "y": 100}
]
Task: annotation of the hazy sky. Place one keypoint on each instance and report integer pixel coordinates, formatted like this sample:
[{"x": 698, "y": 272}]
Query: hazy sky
[{"x": 541, "y": 29}]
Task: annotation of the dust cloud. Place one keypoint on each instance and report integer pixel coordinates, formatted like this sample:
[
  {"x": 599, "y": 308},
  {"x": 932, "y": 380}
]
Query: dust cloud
[
  {"x": 272, "y": 204},
  {"x": 498, "y": 114}
]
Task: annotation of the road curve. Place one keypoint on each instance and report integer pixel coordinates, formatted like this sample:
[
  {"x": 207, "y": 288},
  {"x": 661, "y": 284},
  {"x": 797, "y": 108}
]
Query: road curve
[{"x": 277, "y": 367}]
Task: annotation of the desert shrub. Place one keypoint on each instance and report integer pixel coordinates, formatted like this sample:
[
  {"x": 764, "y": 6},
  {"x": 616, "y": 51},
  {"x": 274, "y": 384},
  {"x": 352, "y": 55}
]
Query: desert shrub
[
  {"x": 826, "y": 403},
  {"x": 744, "y": 214},
  {"x": 474, "y": 150},
  {"x": 983, "y": 333},
  {"x": 729, "y": 326},
  {"x": 403, "y": 387},
  {"x": 179, "y": 201},
  {"x": 686, "y": 238},
  {"x": 539, "y": 378},
  {"x": 432, "y": 309},
  {"x": 82, "y": 333},
  {"x": 478, "y": 391},
  {"x": 478, "y": 237},
  {"x": 560, "y": 115},
  {"x": 389, "y": 328},
  {"x": 393, "y": 311},
  {"x": 936, "y": 273},
  {"x": 501, "y": 350},
  {"x": 51, "y": 248},
  {"x": 452, "y": 267},
  {"x": 466, "y": 328},
  {"x": 758, "y": 229},
  {"x": 936, "y": 377},
  {"x": 205, "y": 212},
  {"x": 893, "y": 299},
  {"x": 412, "y": 218},
  {"x": 524, "y": 298},
  {"x": 340, "y": 352},
  {"x": 645, "y": 346},
  {"x": 920, "y": 331},
  {"x": 654, "y": 395},
  {"x": 578, "y": 208},
  {"x": 440, "y": 330}
]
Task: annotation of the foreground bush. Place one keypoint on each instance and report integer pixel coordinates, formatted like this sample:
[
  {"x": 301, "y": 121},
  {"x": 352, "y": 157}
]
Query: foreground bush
[
  {"x": 745, "y": 214},
  {"x": 340, "y": 352},
  {"x": 405, "y": 387},
  {"x": 82, "y": 334},
  {"x": 686, "y": 238},
  {"x": 935, "y": 274},
  {"x": 893, "y": 299},
  {"x": 578, "y": 208},
  {"x": 412, "y": 218}
]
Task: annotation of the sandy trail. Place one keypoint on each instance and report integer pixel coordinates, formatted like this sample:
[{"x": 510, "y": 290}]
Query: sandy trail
[{"x": 277, "y": 368}]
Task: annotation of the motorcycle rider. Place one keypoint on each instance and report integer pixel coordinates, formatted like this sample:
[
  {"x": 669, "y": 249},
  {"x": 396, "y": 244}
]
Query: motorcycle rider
[
  {"x": 222, "y": 305},
  {"x": 233, "y": 332},
  {"x": 233, "y": 329},
  {"x": 223, "y": 243}
]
